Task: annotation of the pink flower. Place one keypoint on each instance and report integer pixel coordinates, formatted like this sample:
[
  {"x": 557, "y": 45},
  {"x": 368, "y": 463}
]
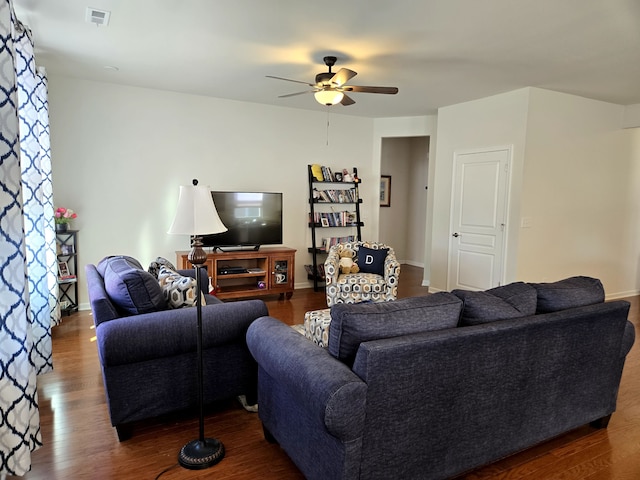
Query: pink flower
[{"x": 64, "y": 215}]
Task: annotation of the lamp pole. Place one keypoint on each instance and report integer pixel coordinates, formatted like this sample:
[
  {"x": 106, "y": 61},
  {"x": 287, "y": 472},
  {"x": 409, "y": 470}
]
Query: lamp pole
[{"x": 196, "y": 215}]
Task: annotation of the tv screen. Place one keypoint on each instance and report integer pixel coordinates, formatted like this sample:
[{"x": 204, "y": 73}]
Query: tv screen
[{"x": 252, "y": 219}]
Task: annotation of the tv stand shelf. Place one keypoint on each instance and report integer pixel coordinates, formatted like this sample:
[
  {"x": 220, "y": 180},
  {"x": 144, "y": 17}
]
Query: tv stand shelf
[{"x": 268, "y": 271}]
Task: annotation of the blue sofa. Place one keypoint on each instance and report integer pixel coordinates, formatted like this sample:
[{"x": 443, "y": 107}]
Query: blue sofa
[
  {"x": 432, "y": 387},
  {"x": 147, "y": 351}
]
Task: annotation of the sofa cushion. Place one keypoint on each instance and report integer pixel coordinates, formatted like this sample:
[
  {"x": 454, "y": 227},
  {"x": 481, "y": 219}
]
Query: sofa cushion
[
  {"x": 129, "y": 287},
  {"x": 515, "y": 300},
  {"x": 352, "y": 324},
  {"x": 154, "y": 267},
  {"x": 371, "y": 260},
  {"x": 568, "y": 293},
  {"x": 178, "y": 291}
]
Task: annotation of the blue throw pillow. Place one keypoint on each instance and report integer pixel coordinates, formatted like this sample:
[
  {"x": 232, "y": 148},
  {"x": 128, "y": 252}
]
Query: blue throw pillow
[
  {"x": 129, "y": 287},
  {"x": 568, "y": 293},
  {"x": 508, "y": 301},
  {"x": 371, "y": 260},
  {"x": 352, "y": 324}
]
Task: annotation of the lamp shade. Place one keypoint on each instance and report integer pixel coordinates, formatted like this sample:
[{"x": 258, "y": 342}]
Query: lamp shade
[
  {"x": 329, "y": 96},
  {"x": 196, "y": 213}
]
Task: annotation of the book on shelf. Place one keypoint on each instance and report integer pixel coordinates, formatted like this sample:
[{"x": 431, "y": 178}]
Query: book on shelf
[
  {"x": 319, "y": 273},
  {"x": 340, "y": 195},
  {"x": 333, "y": 219},
  {"x": 327, "y": 174},
  {"x": 322, "y": 173},
  {"x": 329, "y": 242}
]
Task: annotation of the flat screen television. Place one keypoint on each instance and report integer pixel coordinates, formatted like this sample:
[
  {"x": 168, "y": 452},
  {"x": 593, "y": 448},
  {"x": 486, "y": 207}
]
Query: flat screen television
[{"x": 252, "y": 219}]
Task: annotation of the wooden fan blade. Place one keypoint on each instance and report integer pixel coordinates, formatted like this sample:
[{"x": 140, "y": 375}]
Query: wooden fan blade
[
  {"x": 342, "y": 76},
  {"x": 347, "y": 100},
  {"x": 294, "y": 94},
  {"x": 358, "y": 88},
  {"x": 289, "y": 80}
]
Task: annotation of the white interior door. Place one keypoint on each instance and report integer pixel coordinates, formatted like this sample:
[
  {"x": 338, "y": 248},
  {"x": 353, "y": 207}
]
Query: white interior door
[{"x": 478, "y": 216}]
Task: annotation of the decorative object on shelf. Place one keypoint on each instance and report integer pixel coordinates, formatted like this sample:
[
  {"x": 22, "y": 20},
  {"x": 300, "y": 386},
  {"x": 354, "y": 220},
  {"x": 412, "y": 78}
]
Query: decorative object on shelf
[
  {"x": 62, "y": 217},
  {"x": 196, "y": 215},
  {"x": 385, "y": 190},
  {"x": 63, "y": 270}
]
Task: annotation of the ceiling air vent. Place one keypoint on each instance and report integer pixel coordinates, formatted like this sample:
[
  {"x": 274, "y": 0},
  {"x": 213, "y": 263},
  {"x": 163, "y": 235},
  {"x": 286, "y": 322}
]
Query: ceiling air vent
[{"x": 99, "y": 17}]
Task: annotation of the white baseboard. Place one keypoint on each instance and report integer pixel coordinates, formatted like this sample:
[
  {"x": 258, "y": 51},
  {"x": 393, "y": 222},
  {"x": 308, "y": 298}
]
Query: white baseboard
[
  {"x": 619, "y": 295},
  {"x": 412, "y": 263}
]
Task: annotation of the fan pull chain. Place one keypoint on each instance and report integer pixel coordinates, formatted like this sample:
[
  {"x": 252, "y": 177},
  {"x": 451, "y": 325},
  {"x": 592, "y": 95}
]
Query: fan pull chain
[{"x": 328, "y": 125}]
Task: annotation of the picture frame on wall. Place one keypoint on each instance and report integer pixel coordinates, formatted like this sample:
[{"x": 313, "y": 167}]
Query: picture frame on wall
[{"x": 385, "y": 190}]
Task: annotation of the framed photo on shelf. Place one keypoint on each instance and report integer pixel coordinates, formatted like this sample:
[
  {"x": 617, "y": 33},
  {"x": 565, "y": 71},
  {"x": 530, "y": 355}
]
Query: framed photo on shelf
[
  {"x": 385, "y": 190},
  {"x": 63, "y": 270},
  {"x": 324, "y": 222},
  {"x": 66, "y": 249}
]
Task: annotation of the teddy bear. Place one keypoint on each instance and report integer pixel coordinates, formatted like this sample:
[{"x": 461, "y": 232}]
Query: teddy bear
[{"x": 347, "y": 265}]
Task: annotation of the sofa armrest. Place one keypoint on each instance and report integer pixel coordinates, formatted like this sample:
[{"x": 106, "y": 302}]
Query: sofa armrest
[
  {"x": 139, "y": 338},
  {"x": 628, "y": 338},
  {"x": 332, "y": 267},
  {"x": 391, "y": 268},
  {"x": 313, "y": 378}
]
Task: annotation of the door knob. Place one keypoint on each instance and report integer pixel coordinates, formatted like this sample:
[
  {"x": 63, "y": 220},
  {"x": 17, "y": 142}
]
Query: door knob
[{"x": 456, "y": 235}]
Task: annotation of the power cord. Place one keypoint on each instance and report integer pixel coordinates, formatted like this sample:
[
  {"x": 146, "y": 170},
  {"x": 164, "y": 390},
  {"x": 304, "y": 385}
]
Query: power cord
[{"x": 166, "y": 470}]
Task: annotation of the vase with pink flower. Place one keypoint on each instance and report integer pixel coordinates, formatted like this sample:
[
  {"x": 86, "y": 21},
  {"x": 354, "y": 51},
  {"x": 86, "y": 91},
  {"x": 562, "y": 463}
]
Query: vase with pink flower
[{"x": 63, "y": 217}]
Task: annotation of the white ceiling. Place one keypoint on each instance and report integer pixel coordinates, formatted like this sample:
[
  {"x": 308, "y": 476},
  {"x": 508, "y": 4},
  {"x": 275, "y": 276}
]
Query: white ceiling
[{"x": 437, "y": 52}]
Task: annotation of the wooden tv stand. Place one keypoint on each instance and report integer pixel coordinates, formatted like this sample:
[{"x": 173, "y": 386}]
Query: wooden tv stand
[{"x": 248, "y": 273}]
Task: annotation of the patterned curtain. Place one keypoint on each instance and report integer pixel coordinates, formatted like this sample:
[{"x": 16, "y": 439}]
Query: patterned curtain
[{"x": 28, "y": 288}]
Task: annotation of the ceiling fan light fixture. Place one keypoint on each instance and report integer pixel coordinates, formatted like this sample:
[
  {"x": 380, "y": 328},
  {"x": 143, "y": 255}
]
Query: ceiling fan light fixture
[{"x": 329, "y": 97}]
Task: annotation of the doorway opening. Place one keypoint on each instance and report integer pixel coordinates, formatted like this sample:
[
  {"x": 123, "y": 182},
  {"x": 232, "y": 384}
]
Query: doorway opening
[{"x": 402, "y": 224}]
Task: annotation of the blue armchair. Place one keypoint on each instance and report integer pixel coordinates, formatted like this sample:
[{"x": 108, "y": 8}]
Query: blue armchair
[{"x": 148, "y": 359}]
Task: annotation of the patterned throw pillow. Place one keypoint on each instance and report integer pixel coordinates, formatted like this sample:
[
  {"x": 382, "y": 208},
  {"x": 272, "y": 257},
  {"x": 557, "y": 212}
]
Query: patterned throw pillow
[
  {"x": 154, "y": 267},
  {"x": 178, "y": 291}
]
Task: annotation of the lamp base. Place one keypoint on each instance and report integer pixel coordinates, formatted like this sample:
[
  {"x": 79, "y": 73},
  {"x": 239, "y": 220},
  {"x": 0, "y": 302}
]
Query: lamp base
[{"x": 198, "y": 455}]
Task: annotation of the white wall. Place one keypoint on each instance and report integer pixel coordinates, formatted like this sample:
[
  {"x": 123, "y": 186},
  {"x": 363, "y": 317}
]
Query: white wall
[
  {"x": 500, "y": 120},
  {"x": 417, "y": 200},
  {"x": 120, "y": 153},
  {"x": 575, "y": 178},
  {"x": 581, "y": 193},
  {"x": 631, "y": 118}
]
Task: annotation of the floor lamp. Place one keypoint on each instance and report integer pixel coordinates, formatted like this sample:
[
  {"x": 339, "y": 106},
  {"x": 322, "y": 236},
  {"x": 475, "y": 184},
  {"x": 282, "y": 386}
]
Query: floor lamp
[{"x": 196, "y": 215}]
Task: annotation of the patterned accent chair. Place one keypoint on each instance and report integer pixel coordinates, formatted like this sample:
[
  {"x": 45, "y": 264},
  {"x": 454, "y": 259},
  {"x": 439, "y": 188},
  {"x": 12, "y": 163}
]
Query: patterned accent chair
[{"x": 360, "y": 287}]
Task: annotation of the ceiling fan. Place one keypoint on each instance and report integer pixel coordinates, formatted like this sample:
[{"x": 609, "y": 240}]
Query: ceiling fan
[{"x": 330, "y": 87}]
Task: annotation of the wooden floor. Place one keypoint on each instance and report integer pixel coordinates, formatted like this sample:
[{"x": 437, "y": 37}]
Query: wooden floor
[{"x": 79, "y": 442}]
